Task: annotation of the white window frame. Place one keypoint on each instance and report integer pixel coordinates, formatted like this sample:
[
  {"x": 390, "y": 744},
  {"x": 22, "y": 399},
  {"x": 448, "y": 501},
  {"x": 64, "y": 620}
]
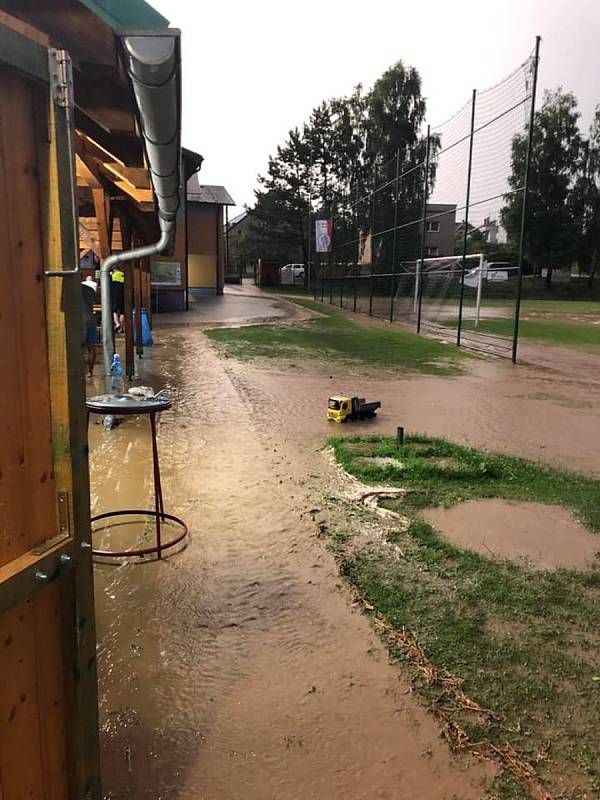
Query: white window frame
[{"x": 432, "y": 226}]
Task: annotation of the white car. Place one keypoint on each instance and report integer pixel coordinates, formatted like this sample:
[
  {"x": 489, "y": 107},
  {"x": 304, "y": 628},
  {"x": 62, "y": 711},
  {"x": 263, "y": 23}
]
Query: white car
[{"x": 291, "y": 274}]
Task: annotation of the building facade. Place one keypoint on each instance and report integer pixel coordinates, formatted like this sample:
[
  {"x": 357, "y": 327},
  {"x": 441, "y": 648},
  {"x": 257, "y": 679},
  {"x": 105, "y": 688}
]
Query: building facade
[{"x": 440, "y": 227}]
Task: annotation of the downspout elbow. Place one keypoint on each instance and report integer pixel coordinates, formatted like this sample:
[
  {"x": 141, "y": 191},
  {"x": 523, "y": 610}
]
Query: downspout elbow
[{"x": 108, "y": 342}]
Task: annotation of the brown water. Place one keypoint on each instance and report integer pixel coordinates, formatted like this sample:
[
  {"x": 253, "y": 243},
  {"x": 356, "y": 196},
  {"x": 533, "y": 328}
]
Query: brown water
[
  {"x": 546, "y": 537},
  {"x": 238, "y": 668}
]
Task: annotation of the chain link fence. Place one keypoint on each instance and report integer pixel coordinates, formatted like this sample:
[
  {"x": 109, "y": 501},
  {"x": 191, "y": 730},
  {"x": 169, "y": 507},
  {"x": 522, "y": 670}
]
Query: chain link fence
[{"x": 408, "y": 239}]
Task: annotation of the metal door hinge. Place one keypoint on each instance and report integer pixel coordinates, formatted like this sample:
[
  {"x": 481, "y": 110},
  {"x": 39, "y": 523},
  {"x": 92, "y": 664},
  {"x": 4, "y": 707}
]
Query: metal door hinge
[
  {"x": 61, "y": 77},
  {"x": 64, "y": 514}
]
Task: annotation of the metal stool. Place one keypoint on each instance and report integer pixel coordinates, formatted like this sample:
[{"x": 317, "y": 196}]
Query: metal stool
[{"x": 123, "y": 405}]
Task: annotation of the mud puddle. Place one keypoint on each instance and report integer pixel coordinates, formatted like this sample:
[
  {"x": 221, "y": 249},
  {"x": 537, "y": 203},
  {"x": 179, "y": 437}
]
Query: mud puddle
[
  {"x": 238, "y": 669},
  {"x": 542, "y": 536}
]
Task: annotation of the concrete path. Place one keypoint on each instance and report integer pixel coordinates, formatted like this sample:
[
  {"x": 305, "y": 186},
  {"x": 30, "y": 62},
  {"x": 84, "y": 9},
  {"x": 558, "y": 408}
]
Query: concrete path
[{"x": 237, "y": 306}]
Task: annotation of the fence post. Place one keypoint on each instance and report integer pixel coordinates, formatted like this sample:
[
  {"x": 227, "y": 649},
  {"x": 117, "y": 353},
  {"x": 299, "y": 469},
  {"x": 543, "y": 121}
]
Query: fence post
[
  {"x": 357, "y": 231},
  {"x": 466, "y": 231},
  {"x": 525, "y": 194},
  {"x": 395, "y": 238},
  {"x": 422, "y": 259},
  {"x": 372, "y": 239}
]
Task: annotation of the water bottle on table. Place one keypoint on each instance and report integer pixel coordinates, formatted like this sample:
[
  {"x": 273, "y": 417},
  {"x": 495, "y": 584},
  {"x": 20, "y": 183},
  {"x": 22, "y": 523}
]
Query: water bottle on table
[{"x": 117, "y": 385}]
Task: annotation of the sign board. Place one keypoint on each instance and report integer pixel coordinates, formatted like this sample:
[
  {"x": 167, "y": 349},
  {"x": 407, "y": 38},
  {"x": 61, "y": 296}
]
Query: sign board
[
  {"x": 165, "y": 273},
  {"x": 323, "y": 233}
]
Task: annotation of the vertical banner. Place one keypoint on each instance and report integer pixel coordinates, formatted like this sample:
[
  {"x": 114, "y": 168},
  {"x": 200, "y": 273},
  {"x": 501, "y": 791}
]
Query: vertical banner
[{"x": 323, "y": 231}]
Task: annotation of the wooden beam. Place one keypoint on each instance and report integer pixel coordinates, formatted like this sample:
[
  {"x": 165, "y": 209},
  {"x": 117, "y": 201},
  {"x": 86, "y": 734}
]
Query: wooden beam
[
  {"x": 126, "y": 237},
  {"x": 100, "y": 208},
  {"x": 85, "y": 173}
]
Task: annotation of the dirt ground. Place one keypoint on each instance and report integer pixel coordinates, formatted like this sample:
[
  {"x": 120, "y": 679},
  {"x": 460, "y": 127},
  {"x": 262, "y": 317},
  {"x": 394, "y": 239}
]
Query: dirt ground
[{"x": 238, "y": 669}]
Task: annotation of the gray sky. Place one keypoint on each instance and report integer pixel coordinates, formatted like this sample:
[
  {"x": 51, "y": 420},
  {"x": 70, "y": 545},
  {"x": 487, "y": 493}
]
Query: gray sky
[{"x": 253, "y": 70}]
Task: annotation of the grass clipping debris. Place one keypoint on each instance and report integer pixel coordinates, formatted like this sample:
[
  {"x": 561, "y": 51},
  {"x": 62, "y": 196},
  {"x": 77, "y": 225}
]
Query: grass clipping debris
[{"x": 506, "y": 657}]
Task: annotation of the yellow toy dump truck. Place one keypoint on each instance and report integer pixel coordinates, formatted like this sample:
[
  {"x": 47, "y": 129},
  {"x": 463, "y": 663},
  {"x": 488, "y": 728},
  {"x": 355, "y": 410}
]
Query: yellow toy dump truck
[{"x": 342, "y": 409}]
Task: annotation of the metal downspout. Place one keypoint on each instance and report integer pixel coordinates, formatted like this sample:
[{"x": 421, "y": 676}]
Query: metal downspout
[{"x": 108, "y": 347}]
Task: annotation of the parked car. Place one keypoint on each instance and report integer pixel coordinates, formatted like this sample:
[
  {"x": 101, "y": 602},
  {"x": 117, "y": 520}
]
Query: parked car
[{"x": 291, "y": 275}]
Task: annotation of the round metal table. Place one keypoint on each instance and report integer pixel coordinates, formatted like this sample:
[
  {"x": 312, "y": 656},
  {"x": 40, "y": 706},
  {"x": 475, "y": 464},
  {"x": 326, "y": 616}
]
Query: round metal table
[{"x": 123, "y": 405}]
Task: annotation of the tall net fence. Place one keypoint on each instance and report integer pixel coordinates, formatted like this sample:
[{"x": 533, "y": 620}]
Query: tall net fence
[{"x": 421, "y": 243}]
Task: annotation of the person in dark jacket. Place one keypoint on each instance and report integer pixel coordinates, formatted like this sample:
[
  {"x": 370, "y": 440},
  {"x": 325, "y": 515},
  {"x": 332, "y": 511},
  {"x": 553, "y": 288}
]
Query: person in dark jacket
[{"x": 89, "y": 334}]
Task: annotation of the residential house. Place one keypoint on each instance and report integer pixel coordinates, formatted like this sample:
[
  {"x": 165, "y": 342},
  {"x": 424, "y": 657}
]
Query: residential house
[{"x": 440, "y": 227}]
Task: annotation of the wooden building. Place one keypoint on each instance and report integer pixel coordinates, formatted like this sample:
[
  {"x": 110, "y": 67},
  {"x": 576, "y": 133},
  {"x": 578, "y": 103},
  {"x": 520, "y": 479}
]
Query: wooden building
[
  {"x": 198, "y": 263},
  {"x": 73, "y": 178}
]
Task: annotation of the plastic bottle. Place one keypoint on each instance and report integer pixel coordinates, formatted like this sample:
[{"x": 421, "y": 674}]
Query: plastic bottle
[
  {"x": 108, "y": 422},
  {"x": 117, "y": 386}
]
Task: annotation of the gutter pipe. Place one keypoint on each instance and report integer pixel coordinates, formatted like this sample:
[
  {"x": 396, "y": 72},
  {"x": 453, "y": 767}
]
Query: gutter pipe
[{"x": 152, "y": 60}]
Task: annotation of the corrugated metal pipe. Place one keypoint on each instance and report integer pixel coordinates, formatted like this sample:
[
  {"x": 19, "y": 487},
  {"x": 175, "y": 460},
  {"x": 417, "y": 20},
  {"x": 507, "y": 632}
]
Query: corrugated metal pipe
[{"x": 152, "y": 60}]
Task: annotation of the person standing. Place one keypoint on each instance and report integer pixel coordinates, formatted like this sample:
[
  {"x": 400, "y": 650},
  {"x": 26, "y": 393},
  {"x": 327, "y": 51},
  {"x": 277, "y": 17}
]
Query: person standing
[
  {"x": 117, "y": 296},
  {"x": 89, "y": 332}
]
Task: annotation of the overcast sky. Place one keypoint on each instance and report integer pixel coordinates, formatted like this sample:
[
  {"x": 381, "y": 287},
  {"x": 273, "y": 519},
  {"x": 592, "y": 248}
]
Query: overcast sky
[{"x": 254, "y": 69}]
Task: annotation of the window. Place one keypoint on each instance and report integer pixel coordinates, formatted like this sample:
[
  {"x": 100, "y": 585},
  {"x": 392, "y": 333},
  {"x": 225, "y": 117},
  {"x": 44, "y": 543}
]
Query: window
[
  {"x": 432, "y": 227},
  {"x": 432, "y": 252},
  {"x": 334, "y": 404}
]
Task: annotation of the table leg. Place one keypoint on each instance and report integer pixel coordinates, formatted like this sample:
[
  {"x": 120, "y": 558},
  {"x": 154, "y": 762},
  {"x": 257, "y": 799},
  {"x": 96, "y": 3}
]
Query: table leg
[{"x": 158, "y": 498}]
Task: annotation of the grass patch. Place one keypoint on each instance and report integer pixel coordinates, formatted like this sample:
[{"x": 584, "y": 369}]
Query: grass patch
[
  {"x": 336, "y": 338},
  {"x": 566, "y": 334},
  {"x": 524, "y": 642},
  {"x": 568, "y": 306}
]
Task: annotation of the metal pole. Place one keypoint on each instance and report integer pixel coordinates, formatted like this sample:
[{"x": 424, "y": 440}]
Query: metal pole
[
  {"x": 357, "y": 232},
  {"x": 393, "y": 289},
  {"x": 466, "y": 231},
  {"x": 479, "y": 292},
  {"x": 158, "y": 500},
  {"x": 525, "y": 194},
  {"x": 372, "y": 239},
  {"x": 228, "y": 267},
  {"x": 422, "y": 261}
]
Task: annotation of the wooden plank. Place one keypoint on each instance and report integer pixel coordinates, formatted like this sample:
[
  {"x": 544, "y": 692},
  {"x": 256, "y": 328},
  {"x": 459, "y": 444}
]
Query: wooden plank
[
  {"x": 126, "y": 236},
  {"x": 70, "y": 428},
  {"x": 27, "y": 30},
  {"x": 100, "y": 210},
  {"x": 22, "y": 53},
  {"x": 86, "y": 174},
  {"x": 54, "y": 685},
  {"x": 21, "y": 768},
  {"x": 28, "y": 457}
]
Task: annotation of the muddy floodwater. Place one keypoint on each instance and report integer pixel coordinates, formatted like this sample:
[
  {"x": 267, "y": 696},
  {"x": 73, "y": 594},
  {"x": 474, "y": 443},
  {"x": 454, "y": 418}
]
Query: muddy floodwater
[
  {"x": 545, "y": 537},
  {"x": 238, "y": 669}
]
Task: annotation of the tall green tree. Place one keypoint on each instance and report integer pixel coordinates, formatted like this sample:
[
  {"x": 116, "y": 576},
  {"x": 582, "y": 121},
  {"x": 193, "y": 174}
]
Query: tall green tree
[
  {"x": 346, "y": 145},
  {"x": 394, "y": 118},
  {"x": 552, "y": 229},
  {"x": 585, "y": 202},
  {"x": 280, "y": 215}
]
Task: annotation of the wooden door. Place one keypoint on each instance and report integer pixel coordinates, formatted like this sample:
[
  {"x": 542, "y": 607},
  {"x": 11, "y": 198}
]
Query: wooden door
[{"x": 48, "y": 700}]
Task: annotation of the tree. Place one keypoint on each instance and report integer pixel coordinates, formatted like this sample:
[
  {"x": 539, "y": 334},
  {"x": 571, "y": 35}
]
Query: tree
[
  {"x": 551, "y": 232},
  {"x": 281, "y": 211},
  {"x": 585, "y": 202},
  {"x": 321, "y": 169},
  {"x": 394, "y": 118}
]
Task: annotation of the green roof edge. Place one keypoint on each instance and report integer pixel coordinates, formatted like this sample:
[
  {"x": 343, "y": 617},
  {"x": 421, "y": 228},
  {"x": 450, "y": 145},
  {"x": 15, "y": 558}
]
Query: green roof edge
[{"x": 127, "y": 14}]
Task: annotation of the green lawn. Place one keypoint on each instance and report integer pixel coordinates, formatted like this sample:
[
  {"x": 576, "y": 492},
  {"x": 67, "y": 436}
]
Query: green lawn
[
  {"x": 335, "y": 338},
  {"x": 524, "y": 642},
  {"x": 568, "y": 306},
  {"x": 567, "y": 334}
]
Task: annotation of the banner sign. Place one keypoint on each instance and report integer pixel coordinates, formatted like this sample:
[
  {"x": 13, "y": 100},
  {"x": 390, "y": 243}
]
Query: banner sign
[{"x": 323, "y": 232}]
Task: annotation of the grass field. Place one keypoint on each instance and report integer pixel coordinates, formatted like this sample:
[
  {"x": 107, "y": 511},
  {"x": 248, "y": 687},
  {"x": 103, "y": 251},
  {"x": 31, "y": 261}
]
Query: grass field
[
  {"x": 524, "y": 642},
  {"x": 566, "y": 334},
  {"x": 335, "y": 337}
]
